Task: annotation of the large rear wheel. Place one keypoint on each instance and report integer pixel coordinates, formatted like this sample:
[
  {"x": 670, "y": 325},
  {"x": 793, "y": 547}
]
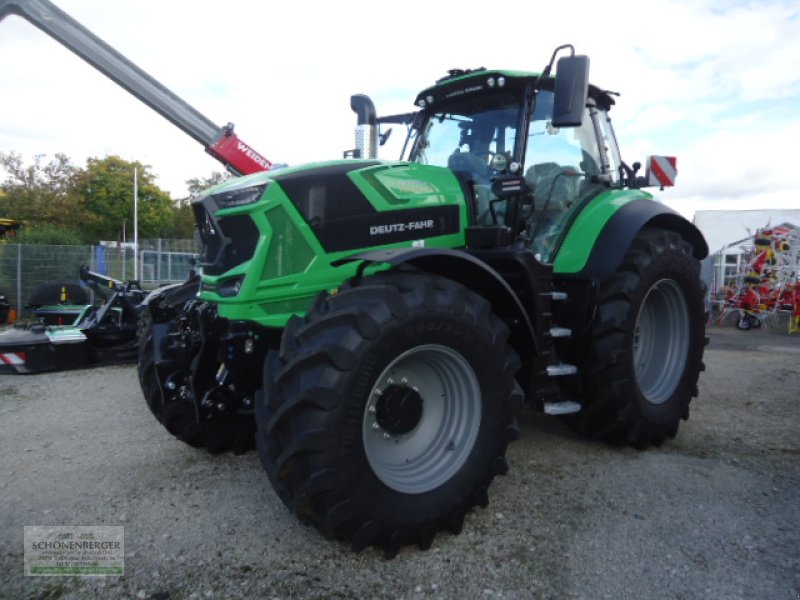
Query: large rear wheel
[
  {"x": 388, "y": 410},
  {"x": 647, "y": 344}
]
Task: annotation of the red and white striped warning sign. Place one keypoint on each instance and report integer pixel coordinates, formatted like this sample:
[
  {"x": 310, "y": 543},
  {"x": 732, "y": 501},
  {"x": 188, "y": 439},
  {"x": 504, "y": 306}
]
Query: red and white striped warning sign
[
  {"x": 12, "y": 358},
  {"x": 662, "y": 170}
]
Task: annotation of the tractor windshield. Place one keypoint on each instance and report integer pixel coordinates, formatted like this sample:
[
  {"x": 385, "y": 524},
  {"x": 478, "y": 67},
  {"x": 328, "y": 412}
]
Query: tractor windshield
[
  {"x": 476, "y": 139},
  {"x": 479, "y": 128}
]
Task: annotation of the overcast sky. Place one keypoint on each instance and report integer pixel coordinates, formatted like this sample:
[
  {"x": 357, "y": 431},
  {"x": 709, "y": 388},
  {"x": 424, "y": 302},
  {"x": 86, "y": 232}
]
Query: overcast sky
[{"x": 715, "y": 83}]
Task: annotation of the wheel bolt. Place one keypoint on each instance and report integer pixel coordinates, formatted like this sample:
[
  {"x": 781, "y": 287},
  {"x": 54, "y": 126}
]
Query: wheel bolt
[
  {"x": 375, "y": 426},
  {"x": 404, "y": 380},
  {"x": 371, "y": 409},
  {"x": 386, "y": 436}
]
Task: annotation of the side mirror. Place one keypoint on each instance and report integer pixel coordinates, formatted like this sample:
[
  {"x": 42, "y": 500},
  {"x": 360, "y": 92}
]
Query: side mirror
[{"x": 571, "y": 91}]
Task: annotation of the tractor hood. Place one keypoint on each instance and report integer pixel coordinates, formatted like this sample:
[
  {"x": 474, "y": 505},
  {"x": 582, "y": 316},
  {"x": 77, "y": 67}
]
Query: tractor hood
[{"x": 335, "y": 207}]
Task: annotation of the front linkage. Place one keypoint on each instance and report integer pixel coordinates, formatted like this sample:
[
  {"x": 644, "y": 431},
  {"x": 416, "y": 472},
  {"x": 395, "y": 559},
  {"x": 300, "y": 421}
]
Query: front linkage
[{"x": 199, "y": 372}]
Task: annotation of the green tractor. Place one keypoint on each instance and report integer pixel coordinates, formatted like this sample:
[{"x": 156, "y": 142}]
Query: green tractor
[{"x": 375, "y": 324}]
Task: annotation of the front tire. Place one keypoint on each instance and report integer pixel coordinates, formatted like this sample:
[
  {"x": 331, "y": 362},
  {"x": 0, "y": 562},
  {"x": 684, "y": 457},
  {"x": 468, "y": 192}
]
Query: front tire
[
  {"x": 647, "y": 344},
  {"x": 388, "y": 410},
  {"x": 166, "y": 389}
]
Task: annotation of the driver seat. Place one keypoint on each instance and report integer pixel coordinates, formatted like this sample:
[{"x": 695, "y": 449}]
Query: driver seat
[{"x": 551, "y": 186}]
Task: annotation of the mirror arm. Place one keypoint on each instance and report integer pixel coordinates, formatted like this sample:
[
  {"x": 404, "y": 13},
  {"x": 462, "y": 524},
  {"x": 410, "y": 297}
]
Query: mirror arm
[{"x": 549, "y": 67}]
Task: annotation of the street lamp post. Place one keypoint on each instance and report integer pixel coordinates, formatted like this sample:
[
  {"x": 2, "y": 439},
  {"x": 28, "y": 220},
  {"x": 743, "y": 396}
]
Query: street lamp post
[{"x": 136, "y": 224}]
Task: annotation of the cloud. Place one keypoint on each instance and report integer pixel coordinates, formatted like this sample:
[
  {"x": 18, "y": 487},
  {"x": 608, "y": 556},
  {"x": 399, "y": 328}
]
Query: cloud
[{"x": 713, "y": 82}]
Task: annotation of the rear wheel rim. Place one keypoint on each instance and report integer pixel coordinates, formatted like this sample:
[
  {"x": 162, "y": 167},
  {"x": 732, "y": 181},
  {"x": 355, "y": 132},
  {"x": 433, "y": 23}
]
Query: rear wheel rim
[
  {"x": 432, "y": 398},
  {"x": 661, "y": 341}
]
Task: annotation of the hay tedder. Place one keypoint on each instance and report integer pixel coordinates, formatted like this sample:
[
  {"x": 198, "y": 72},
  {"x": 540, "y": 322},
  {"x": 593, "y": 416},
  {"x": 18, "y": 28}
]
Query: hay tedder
[{"x": 768, "y": 282}]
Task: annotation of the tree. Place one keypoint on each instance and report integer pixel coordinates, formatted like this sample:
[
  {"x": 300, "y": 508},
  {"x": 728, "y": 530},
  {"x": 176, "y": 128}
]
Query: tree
[
  {"x": 182, "y": 220},
  {"x": 42, "y": 195},
  {"x": 54, "y": 177},
  {"x": 107, "y": 188},
  {"x": 49, "y": 234},
  {"x": 198, "y": 185},
  {"x": 64, "y": 204},
  {"x": 184, "y": 215}
]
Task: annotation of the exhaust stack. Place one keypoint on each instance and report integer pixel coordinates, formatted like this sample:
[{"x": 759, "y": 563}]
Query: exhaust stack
[{"x": 366, "y": 128}]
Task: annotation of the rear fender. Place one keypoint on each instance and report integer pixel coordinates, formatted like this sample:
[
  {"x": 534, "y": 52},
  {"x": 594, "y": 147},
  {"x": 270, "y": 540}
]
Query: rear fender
[{"x": 594, "y": 248}]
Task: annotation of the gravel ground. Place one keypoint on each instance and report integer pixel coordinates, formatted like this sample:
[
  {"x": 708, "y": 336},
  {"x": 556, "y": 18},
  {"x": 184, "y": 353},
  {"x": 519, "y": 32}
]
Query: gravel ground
[{"x": 714, "y": 513}]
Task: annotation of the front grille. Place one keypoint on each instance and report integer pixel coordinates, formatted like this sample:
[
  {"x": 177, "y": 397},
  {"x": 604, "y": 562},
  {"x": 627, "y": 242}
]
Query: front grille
[
  {"x": 243, "y": 236},
  {"x": 226, "y": 242}
]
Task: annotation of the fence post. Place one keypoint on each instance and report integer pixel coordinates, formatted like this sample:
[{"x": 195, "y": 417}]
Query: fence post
[
  {"x": 19, "y": 280},
  {"x": 158, "y": 264},
  {"x": 93, "y": 267}
]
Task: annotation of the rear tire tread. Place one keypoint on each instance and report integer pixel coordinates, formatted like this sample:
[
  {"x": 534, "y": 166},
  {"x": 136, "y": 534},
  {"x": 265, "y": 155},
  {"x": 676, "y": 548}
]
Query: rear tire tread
[{"x": 613, "y": 411}]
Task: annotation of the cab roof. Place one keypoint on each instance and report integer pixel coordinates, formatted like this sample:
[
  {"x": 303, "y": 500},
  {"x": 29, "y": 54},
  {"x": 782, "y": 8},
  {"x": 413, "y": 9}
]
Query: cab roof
[{"x": 462, "y": 82}]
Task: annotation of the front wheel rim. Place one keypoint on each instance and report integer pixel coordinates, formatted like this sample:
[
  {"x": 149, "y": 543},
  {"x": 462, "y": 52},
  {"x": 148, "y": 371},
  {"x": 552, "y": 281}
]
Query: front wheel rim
[
  {"x": 422, "y": 418},
  {"x": 661, "y": 341}
]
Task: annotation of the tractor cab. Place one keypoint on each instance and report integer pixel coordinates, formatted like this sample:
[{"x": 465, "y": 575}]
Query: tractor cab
[{"x": 499, "y": 130}]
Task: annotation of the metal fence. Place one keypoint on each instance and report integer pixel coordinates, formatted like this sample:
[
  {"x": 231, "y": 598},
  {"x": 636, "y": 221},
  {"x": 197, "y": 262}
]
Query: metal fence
[{"x": 24, "y": 268}]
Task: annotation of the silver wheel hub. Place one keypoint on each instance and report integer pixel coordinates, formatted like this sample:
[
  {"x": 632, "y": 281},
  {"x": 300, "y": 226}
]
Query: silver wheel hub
[
  {"x": 422, "y": 418},
  {"x": 661, "y": 341}
]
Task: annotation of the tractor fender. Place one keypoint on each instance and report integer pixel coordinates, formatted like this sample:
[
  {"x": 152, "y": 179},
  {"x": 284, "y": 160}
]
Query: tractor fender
[
  {"x": 467, "y": 270},
  {"x": 174, "y": 294},
  {"x": 153, "y": 294},
  {"x": 613, "y": 238}
]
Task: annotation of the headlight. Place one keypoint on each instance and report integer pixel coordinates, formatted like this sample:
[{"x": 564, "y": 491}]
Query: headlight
[
  {"x": 228, "y": 288},
  {"x": 240, "y": 197}
]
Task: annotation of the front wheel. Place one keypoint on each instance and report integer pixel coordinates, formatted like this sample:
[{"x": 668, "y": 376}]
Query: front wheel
[
  {"x": 647, "y": 344},
  {"x": 166, "y": 383},
  {"x": 388, "y": 410}
]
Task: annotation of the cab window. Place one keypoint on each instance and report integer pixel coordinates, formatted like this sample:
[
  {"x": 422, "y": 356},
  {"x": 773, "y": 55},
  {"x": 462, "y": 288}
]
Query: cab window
[{"x": 559, "y": 165}]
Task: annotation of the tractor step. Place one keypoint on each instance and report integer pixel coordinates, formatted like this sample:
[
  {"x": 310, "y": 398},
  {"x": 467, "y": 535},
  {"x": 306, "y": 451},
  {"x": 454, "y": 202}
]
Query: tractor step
[
  {"x": 561, "y": 370},
  {"x": 560, "y": 332},
  {"x": 565, "y": 407}
]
